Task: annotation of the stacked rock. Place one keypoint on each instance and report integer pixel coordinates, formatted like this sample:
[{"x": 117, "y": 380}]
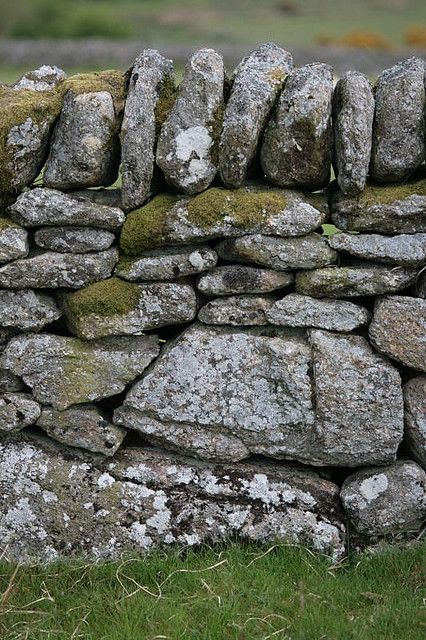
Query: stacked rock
[{"x": 224, "y": 343}]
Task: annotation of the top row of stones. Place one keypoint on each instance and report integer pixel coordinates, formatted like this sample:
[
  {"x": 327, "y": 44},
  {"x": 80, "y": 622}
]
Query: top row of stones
[{"x": 293, "y": 119}]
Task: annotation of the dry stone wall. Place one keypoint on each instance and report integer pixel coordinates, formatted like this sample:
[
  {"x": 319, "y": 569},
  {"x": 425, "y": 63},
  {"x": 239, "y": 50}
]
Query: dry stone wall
[{"x": 227, "y": 343}]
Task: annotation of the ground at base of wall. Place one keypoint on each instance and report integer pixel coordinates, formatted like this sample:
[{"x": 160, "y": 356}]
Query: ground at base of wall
[{"x": 234, "y": 591}]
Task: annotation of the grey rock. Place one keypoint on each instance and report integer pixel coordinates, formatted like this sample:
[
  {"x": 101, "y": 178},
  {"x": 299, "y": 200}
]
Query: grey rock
[
  {"x": 45, "y": 78},
  {"x": 257, "y": 82},
  {"x": 298, "y": 141},
  {"x": 232, "y": 279},
  {"x": 63, "y": 371},
  {"x": 73, "y": 239},
  {"x": 382, "y": 209},
  {"x": 48, "y": 207},
  {"x": 295, "y": 310},
  {"x": 398, "y": 329},
  {"x": 386, "y": 501},
  {"x": 408, "y": 250},
  {"x": 145, "y": 497},
  {"x": 236, "y": 311},
  {"x": 13, "y": 241},
  {"x": 167, "y": 263},
  {"x": 9, "y": 383},
  {"x": 27, "y": 310},
  {"x": 415, "y": 419},
  {"x": 352, "y": 281},
  {"x": 399, "y": 128},
  {"x": 116, "y": 307},
  {"x": 17, "y": 411},
  {"x": 353, "y": 113},
  {"x": 187, "y": 149},
  {"x": 51, "y": 270},
  {"x": 82, "y": 426},
  {"x": 150, "y": 92},
  {"x": 305, "y": 252},
  {"x": 251, "y": 391},
  {"x": 110, "y": 197},
  {"x": 421, "y": 284}
]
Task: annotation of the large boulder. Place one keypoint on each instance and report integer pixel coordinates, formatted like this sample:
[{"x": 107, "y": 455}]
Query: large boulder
[
  {"x": 167, "y": 263},
  {"x": 27, "y": 310},
  {"x": 221, "y": 394},
  {"x": 408, "y": 250},
  {"x": 415, "y": 419},
  {"x": 13, "y": 241},
  {"x": 56, "y": 502}
]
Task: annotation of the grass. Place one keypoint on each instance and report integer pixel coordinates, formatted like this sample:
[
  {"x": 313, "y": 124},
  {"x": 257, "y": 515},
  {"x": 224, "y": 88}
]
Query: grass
[{"x": 234, "y": 592}]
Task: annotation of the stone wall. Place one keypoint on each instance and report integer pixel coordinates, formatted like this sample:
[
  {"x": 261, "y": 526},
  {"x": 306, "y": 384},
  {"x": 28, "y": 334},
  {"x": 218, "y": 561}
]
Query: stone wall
[{"x": 227, "y": 344}]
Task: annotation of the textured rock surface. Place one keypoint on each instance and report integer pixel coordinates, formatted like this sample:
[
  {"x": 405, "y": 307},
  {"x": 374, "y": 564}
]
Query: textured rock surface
[
  {"x": 221, "y": 213},
  {"x": 298, "y": 141},
  {"x": 51, "y": 270},
  {"x": 257, "y": 82},
  {"x": 27, "y": 310},
  {"x": 167, "y": 263},
  {"x": 48, "y": 207},
  {"x": 236, "y": 311},
  {"x": 391, "y": 209},
  {"x": 17, "y": 411},
  {"x": 9, "y": 383},
  {"x": 386, "y": 500},
  {"x": 365, "y": 280},
  {"x": 232, "y": 279},
  {"x": 415, "y": 418},
  {"x": 405, "y": 249},
  {"x": 44, "y": 78},
  {"x": 398, "y": 329},
  {"x": 63, "y": 371},
  {"x": 146, "y": 497},
  {"x": 115, "y": 307},
  {"x": 295, "y": 310},
  {"x": 306, "y": 252},
  {"x": 150, "y": 91},
  {"x": 73, "y": 239},
  {"x": 13, "y": 241},
  {"x": 187, "y": 149},
  {"x": 353, "y": 113},
  {"x": 82, "y": 426},
  {"x": 399, "y": 129},
  {"x": 251, "y": 391}
]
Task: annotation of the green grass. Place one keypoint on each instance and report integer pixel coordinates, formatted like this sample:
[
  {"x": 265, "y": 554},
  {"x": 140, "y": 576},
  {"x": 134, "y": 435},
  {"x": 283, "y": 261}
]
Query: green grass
[{"x": 236, "y": 592}]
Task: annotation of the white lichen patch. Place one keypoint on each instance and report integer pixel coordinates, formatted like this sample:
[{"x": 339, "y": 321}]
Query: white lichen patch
[
  {"x": 372, "y": 487},
  {"x": 105, "y": 480}
]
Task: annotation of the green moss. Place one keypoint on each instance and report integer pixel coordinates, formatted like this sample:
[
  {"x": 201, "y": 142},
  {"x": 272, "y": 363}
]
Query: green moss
[
  {"x": 5, "y": 223},
  {"x": 277, "y": 75},
  {"x": 111, "y": 80},
  {"x": 104, "y": 298},
  {"x": 247, "y": 208},
  {"x": 165, "y": 102},
  {"x": 216, "y": 129},
  {"x": 144, "y": 227},
  {"x": 386, "y": 194}
]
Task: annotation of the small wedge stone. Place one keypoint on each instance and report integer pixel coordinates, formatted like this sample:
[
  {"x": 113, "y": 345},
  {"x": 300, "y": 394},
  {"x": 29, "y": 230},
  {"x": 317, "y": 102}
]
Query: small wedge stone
[
  {"x": 415, "y": 419},
  {"x": 44, "y": 78},
  {"x": 13, "y": 241},
  {"x": 236, "y": 311},
  {"x": 17, "y": 411},
  {"x": 167, "y": 263},
  {"x": 73, "y": 239}
]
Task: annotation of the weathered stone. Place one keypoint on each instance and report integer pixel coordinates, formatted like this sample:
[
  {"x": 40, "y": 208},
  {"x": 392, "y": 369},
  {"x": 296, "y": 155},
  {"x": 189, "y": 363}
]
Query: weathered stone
[
  {"x": 408, "y": 250},
  {"x": 48, "y": 207},
  {"x": 232, "y": 279},
  {"x": 116, "y": 307},
  {"x": 358, "y": 401},
  {"x": 187, "y": 149},
  {"x": 236, "y": 311},
  {"x": 415, "y": 418},
  {"x": 9, "y": 383},
  {"x": 398, "y": 329},
  {"x": 250, "y": 391},
  {"x": 353, "y": 113},
  {"x": 298, "y": 141},
  {"x": 85, "y": 148},
  {"x": 63, "y": 371},
  {"x": 295, "y": 310},
  {"x": 257, "y": 82},
  {"x": 386, "y": 501},
  {"x": 149, "y": 98},
  {"x": 51, "y": 270},
  {"x": 167, "y": 263},
  {"x": 27, "y": 310},
  {"x": 74, "y": 239},
  {"x": 305, "y": 252},
  {"x": 362, "y": 280},
  {"x": 17, "y": 411},
  {"x": 145, "y": 497},
  {"x": 399, "y": 129},
  {"x": 44, "y": 78},
  {"x": 13, "y": 241},
  {"x": 82, "y": 426},
  {"x": 383, "y": 209},
  {"x": 109, "y": 197}
]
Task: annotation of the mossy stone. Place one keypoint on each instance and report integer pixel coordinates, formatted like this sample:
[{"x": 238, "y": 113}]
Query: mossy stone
[
  {"x": 166, "y": 99},
  {"x": 104, "y": 298},
  {"x": 380, "y": 194},
  {"x": 112, "y": 81},
  {"x": 144, "y": 227},
  {"x": 5, "y": 223}
]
